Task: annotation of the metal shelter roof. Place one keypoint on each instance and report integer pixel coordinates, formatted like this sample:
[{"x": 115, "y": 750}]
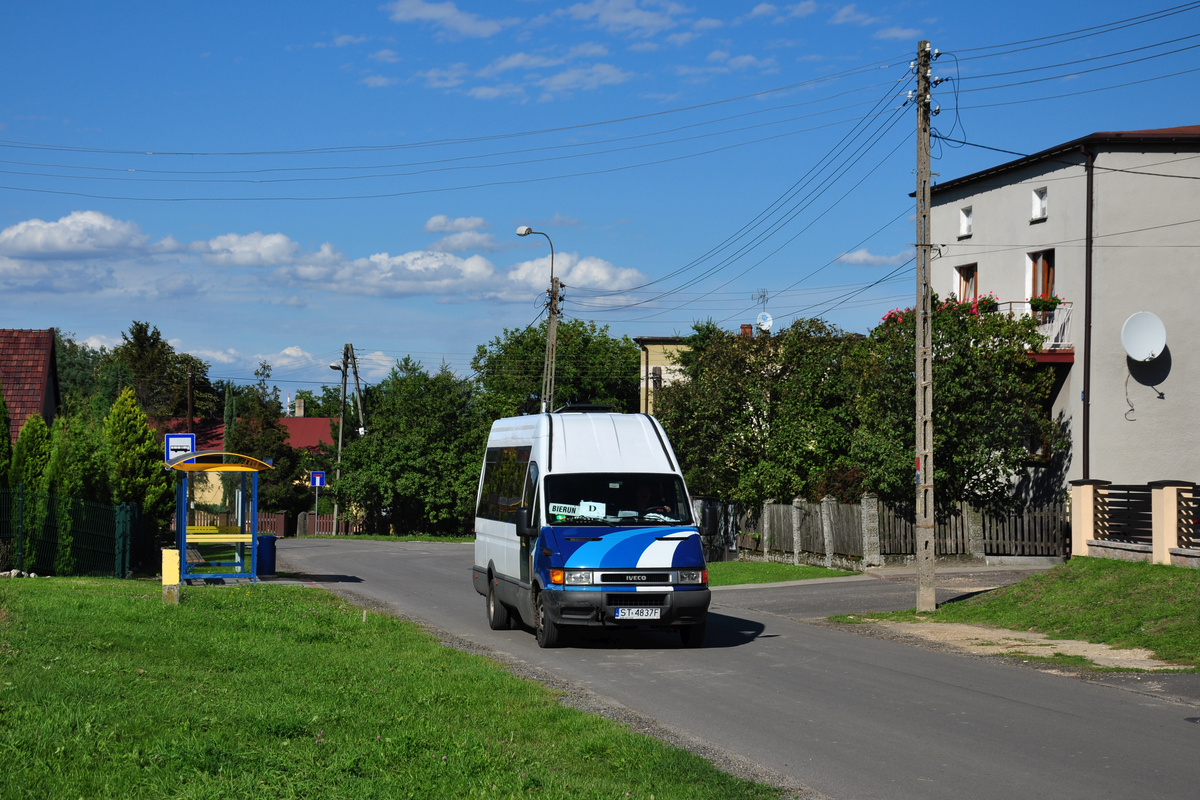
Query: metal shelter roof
[{"x": 215, "y": 461}]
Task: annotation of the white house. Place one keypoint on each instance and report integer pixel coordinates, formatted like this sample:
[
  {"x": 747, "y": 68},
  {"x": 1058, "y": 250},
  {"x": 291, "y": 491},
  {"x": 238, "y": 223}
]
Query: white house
[{"x": 1110, "y": 223}]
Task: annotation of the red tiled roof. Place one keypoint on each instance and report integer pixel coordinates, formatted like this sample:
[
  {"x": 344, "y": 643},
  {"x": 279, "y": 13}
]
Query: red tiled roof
[
  {"x": 304, "y": 433},
  {"x": 308, "y": 433},
  {"x": 28, "y": 375},
  {"x": 210, "y": 433}
]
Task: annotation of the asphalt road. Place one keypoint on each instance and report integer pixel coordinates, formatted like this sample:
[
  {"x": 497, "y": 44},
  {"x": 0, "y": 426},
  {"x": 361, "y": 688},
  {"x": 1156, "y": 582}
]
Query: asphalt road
[{"x": 845, "y": 715}]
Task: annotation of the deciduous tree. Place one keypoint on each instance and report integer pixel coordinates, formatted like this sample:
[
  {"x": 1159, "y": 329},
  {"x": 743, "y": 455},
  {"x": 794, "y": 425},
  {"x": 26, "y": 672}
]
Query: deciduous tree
[
  {"x": 990, "y": 406},
  {"x": 591, "y": 367},
  {"x": 417, "y": 468}
]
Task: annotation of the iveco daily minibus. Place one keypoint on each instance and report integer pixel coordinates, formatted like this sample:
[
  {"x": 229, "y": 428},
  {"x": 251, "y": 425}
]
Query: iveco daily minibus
[{"x": 583, "y": 519}]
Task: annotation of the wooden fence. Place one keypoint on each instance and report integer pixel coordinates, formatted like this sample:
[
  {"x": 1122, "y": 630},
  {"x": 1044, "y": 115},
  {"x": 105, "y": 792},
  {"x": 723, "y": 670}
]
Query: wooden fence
[{"x": 268, "y": 523}]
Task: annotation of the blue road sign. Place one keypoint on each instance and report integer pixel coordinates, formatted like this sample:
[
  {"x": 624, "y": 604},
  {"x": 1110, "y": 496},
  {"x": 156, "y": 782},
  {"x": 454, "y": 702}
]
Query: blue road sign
[
  {"x": 179, "y": 443},
  {"x": 316, "y": 479}
]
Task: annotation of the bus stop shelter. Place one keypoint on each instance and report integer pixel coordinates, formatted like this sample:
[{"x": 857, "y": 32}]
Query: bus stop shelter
[{"x": 218, "y": 552}]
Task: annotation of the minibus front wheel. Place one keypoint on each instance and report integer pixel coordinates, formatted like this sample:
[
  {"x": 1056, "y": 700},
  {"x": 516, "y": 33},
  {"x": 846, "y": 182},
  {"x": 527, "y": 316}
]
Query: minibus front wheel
[{"x": 546, "y": 629}]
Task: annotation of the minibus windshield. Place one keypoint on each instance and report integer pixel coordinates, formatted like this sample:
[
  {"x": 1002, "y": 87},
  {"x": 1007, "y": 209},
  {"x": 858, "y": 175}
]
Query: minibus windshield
[{"x": 617, "y": 499}]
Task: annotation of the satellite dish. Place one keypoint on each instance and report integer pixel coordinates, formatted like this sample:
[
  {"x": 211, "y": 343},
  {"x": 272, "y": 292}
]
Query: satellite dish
[
  {"x": 1143, "y": 336},
  {"x": 765, "y": 322}
]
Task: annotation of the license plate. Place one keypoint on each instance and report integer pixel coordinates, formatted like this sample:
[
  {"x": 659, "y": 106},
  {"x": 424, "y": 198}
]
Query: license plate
[{"x": 638, "y": 613}]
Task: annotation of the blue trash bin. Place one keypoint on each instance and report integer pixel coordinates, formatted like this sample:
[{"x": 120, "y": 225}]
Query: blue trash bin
[{"x": 266, "y": 554}]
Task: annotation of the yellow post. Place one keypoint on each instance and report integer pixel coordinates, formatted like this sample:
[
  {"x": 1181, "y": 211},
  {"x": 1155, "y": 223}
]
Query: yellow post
[
  {"x": 1164, "y": 519},
  {"x": 170, "y": 576}
]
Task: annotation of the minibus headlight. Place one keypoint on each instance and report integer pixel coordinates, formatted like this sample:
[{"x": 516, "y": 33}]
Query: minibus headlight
[
  {"x": 579, "y": 577},
  {"x": 693, "y": 576}
]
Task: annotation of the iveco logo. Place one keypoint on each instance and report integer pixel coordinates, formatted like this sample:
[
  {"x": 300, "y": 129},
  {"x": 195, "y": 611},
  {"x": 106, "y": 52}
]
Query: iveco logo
[{"x": 635, "y": 577}]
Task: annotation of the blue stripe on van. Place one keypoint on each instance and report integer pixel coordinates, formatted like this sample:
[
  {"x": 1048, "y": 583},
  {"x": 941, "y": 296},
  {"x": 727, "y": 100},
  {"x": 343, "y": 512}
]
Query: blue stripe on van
[{"x": 622, "y": 548}]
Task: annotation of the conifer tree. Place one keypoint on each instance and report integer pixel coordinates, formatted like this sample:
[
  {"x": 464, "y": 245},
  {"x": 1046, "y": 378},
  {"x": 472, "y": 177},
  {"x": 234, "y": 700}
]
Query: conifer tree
[{"x": 135, "y": 458}]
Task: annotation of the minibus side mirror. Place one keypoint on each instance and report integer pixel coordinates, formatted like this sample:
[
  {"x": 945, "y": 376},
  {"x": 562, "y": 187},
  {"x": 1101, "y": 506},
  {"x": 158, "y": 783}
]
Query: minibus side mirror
[{"x": 523, "y": 528}]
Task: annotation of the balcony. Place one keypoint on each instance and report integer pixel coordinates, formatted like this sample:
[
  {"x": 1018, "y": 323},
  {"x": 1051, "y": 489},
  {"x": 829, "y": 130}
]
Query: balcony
[{"x": 1055, "y": 325}]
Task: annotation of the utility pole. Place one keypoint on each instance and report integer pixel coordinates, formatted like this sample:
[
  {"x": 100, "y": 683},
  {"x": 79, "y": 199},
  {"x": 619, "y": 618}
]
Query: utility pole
[
  {"x": 346, "y": 351},
  {"x": 551, "y": 341},
  {"x": 924, "y": 530}
]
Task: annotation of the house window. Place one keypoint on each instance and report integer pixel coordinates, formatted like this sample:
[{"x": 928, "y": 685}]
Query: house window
[
  {"x": 964, "y": 222},
  {"x": 1041, "y": 271},
  {"x": 1039, "y": 204},
  {"x": 968, "y": 284}
]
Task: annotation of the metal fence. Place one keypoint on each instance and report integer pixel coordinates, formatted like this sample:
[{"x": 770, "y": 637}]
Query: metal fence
[
  {"x": 50, "y": 534},
  {"x": 1123, "y": 514},
  {"x": 1189, "y": 518}
]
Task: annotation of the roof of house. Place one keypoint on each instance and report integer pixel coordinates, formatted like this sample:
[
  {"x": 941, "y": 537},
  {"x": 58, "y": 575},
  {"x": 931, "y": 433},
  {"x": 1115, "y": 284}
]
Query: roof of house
[
  {"x": 28, "y": 374},
  {"x": 308, "y": 433},
  {"x": 1187, "y": 137},
  {"x": 304, "y": 433}
]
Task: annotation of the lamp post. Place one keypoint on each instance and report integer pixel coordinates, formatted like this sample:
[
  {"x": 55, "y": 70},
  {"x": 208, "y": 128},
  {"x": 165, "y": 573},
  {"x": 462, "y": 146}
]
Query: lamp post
[{"x": 551, "y": 327}]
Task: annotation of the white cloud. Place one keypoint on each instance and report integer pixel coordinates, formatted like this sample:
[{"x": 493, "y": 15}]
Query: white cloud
[
  {"x": 584, "y": 78},
  {"x": 896, "y": 32},
  {"x": 581, "y": 273},
  {"x": 378, "y": 81},
  {"x": 444, "y": 78},
  {"x": 374, "y": 367},
  {"x": 227, "y": 356},
  {"x": 346, "y": 39},
  {"x": 626, "y": 16},
  {"x": 850, "y": 15},
  {"x": 80, "y": 234},
  {"x": 419, "y": 272},
  {"x": 763, "y": 10},
  {"x": 440, "y": 223},
  {"x": 707, "y": 24},
  {"x": 466, "y": 240},
  {"x": 494, "y": 92},
  {"x": 864, "y": 258},
  {"x": 447, "y": 17},
  {"x": 803, "y": 9},
  {"x": 385, "y": 56},
  {"x": 251, "y": 250}
]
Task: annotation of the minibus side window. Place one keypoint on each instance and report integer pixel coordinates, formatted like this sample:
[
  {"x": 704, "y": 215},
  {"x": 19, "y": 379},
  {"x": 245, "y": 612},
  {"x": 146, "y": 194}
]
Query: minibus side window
[
  {"x": 530, "y": 499},
  {"x": 504, "y": 471}
]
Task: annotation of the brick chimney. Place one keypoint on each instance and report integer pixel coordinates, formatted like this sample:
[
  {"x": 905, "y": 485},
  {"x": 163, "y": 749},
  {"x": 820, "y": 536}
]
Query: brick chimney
[
  {"x": 299, "y": 412},
  {"x": 748, "y": 331}
]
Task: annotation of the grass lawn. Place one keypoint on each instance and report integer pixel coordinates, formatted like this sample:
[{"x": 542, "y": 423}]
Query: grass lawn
[
  {"x": 734, "y": 573},
  {"x": 1120, "y": 603},
  {"x": 273, "y": 691}
]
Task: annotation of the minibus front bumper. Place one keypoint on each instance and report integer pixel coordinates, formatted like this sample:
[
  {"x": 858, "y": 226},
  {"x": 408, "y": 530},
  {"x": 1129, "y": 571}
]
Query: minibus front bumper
[{"x": 605, "y": 607}]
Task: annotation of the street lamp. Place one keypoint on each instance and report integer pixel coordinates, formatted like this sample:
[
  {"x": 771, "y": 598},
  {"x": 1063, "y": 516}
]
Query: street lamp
[{"x": 551, "y": 327}]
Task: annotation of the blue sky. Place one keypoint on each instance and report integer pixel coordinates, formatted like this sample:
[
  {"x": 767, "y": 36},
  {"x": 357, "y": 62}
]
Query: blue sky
[{"x": 268, "y": 181}]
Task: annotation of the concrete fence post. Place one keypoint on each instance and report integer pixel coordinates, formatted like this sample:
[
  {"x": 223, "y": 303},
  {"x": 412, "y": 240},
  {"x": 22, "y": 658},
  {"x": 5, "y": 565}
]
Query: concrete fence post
[
  {"x": 870, "y": 531},
  {"x": 827, "y": 503},
  {"x": 1164, "y": 519},
  {"x": 796, "y": 501},
  {"x": 974, "y": 520},
  {"x": 1083, "y": 513}
]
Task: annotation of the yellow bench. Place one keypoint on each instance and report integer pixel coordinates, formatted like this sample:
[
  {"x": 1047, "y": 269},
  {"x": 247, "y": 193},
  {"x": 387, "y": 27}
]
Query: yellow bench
[{"x": 216, "y": 534}]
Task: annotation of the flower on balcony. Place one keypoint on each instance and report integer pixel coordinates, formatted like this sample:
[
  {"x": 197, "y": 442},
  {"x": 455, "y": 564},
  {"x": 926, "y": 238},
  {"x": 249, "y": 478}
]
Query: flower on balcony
[
  {"x": 985, "y": 304},
  {"x": 1044, "y": 302}
]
